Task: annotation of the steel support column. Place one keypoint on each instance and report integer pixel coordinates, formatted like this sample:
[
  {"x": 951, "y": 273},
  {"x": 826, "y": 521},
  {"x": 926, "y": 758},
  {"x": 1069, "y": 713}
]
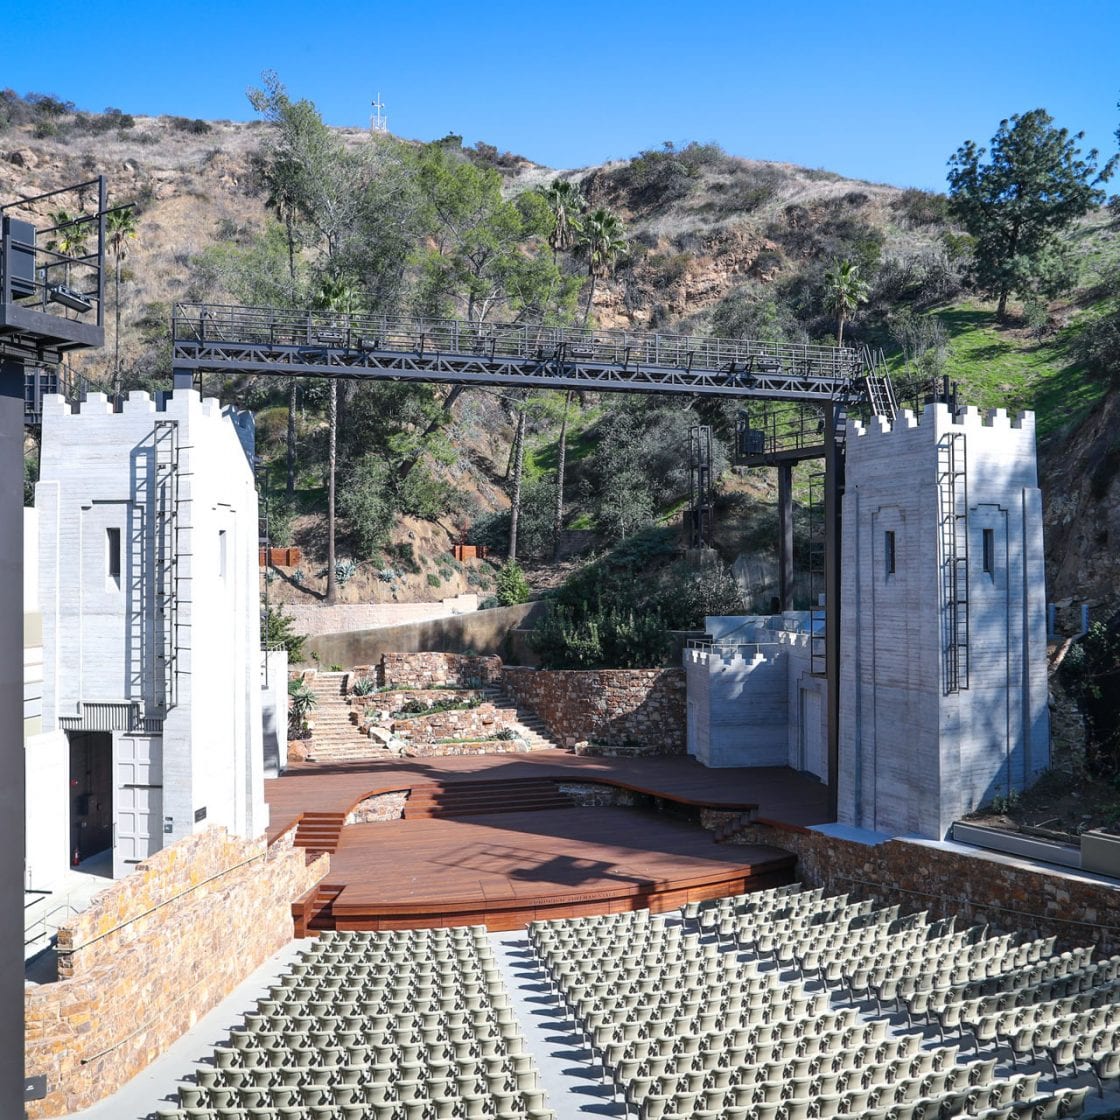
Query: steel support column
[
  {"x": 12, "y": 809},
  {"x": 833, "y": 488},
  {"x": 785, "y": 535}
]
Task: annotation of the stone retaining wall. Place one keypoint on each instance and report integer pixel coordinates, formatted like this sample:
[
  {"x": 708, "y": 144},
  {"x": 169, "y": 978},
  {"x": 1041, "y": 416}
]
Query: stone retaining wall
[
  {"x": 385, "y": 703},
  {"x": 379, "y": 807},
  {"x": 481, "y": 746},
  {"x": 154, "y": 953},
  {"x": 978, "y": 888},
  {"x": 466, "y": 723},
  {"x": 591, "y": 795},
  {"x": 427, "y": 670},
  {"x": 606, "y": 711}
]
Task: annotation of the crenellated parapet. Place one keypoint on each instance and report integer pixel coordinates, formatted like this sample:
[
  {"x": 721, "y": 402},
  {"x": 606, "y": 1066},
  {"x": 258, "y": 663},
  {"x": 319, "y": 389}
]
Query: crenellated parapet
[{"x": 181, "y": 404}]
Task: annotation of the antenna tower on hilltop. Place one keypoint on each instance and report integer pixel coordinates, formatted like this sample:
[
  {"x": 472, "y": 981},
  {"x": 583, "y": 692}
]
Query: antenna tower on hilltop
[{"x": 378, "y": 122}]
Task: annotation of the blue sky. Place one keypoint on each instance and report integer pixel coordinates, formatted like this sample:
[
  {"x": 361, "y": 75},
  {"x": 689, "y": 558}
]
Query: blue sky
[{"x": 873, "y": 90}]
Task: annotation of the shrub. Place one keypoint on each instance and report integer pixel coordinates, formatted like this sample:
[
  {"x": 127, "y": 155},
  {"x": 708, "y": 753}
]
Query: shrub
[
  {"x": 511, "y": 586},
  {"x": 434, "y": 580},
  {"x": 922, "y": 208},
  {"x": 344, "y": 570},
  {"x": 365, "y": 501},
  {"x": 363, "y": 686},
  {"x": 276, "y": 632},
  {"x": 186, "y": 124},
  {"x": 301, "y": 703}
]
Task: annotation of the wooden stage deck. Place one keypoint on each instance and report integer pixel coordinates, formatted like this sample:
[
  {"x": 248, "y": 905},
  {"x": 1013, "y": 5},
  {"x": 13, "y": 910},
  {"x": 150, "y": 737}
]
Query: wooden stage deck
[{"x": 504, "y": 869}]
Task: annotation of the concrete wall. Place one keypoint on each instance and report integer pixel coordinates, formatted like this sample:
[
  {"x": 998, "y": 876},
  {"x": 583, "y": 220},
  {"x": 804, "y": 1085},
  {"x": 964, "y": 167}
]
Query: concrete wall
[
  {"x": 484, "y": 632},
  {"x": 187, "y": 744},
  {"x": 154, "y": 952},
  {"x": 342, "y": 618},
  {"x": 915, "y": 755}
]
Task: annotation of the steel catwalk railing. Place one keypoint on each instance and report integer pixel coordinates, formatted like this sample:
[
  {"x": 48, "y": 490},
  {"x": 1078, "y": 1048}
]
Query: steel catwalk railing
[{"x": 209, "y": 336}]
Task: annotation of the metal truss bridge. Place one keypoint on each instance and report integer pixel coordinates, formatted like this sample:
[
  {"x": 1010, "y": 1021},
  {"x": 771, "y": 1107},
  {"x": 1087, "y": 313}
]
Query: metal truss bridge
[{"x": 224, "y": 339}]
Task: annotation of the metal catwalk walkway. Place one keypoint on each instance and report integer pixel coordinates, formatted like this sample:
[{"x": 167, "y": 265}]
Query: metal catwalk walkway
[{"x": 211, "y": 337}]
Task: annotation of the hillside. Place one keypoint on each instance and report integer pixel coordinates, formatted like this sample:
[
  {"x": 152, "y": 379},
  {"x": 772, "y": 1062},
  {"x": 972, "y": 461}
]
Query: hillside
[{"x": 716, "y": 243}]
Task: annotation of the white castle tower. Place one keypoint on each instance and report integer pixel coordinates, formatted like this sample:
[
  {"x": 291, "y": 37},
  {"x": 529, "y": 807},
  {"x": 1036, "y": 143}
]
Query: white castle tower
[
  {"x": 148, "y": 590},
  {"x": 943, "y": 690}
]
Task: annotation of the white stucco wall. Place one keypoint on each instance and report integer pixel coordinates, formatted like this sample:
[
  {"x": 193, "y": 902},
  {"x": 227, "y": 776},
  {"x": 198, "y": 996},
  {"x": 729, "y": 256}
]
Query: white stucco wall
[
  {"x": 102, "y": 633},
  {"x": 749, "y": 691}
]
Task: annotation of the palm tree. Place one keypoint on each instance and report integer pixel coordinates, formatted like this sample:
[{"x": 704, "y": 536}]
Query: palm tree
[
  {"x": 336, "y": 294},
  {"x": 602, "y": 240},
  {"x": 120, "y": 226},
  {"x": 70, "y": 236},
  {"x": 844, "y": 290},
  {"x": 567, "y": 204}
]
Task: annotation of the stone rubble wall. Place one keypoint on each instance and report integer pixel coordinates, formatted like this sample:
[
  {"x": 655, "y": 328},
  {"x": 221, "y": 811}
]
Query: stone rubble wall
[
  {"x": 591, "y": 795},
  {"x": 427, "y": 670},
  {"x": 380, "y": 807},
  {"x": 467, "y": 723},
  {"x": 606, "y": 711},
  {"x": 156, "y": 952},
  {"x": 385, "y": 703},
  {"x": 978, "y": 888},
  {"x": 448, "y": 750}
]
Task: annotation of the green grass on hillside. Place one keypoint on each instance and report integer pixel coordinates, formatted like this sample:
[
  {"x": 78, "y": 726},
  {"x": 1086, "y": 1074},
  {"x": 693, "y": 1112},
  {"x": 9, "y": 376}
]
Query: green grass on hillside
[{"x": 999, "y": 367}]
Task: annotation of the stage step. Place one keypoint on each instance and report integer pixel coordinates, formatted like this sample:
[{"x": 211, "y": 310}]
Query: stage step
[
  {"x": 314, "y": 912},
  {"x": 465, "y": 799},
  {"x": 319, "y": 831}
]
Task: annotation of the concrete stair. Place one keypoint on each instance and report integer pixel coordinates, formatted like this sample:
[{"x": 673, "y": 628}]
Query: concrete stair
[
  {"x": 468, "y": 799},
  {"x": 528, "y": 724},
  {"x": 336, "y": 737}
]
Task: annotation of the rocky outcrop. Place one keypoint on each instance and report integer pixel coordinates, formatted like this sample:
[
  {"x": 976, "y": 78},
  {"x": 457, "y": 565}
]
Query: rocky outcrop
[{"x": 1080, "y": 478}]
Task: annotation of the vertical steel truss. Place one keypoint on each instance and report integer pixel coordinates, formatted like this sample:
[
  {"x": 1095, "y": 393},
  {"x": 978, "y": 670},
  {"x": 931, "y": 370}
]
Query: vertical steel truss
[{"x": 700, "y": 486}]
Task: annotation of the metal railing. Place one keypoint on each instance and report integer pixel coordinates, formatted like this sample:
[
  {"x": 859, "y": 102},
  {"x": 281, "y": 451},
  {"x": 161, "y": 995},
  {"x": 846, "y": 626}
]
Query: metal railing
[{"x": 324, "y": 330}]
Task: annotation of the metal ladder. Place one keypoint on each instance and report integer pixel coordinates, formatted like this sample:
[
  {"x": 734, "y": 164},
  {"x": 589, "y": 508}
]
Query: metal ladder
[
  {"x": 878, "y": 387},
  {"x": 952, "y": 502},
  {"x": 165, "y": 561},
  {"x": 817, "y": 613}
]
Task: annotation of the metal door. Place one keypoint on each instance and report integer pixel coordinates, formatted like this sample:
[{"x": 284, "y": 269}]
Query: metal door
[{"x": 138, "y": 765}]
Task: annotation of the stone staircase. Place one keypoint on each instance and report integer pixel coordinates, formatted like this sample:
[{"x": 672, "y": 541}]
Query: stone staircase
[
  {"x": 469, "y": 799},
  {"x": 528, "y": 725},
  {"x": 336, "y": 738}
]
